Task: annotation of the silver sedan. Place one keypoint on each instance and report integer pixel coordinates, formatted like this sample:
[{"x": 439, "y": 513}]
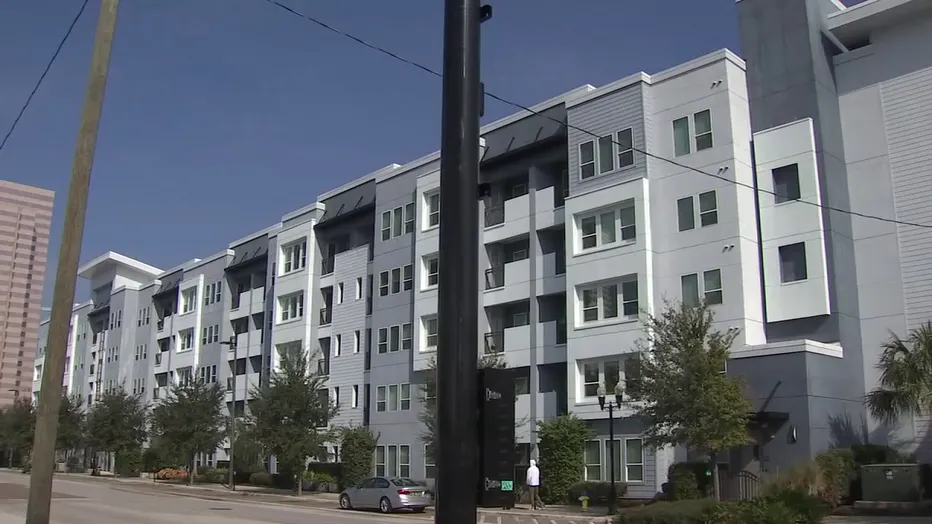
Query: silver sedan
[{"x": 386, "y": 494}]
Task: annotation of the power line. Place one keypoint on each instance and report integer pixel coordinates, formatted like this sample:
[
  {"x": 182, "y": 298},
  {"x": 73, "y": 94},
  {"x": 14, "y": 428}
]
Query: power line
[
  {"x": 44, "y": 73},
  {"x": 630, "y": 147}
]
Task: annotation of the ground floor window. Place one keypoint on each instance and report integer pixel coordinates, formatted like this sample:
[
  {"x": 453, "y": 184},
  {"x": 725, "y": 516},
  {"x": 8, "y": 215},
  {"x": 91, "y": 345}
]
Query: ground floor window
[
  {"x": 393, "y": 461},
  {"x": 430, "y": 469},
  {"x": 629, "y": 460}
]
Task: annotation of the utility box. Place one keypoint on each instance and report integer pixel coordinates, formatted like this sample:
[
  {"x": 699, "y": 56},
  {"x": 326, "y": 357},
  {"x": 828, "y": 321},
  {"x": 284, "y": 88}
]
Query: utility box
[{"x": 891, "y": 483}]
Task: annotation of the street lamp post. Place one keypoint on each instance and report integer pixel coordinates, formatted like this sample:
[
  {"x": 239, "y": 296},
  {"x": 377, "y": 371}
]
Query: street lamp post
[
  {"x": 611, "y": 406},
  {"x": 232, "y": 344},
  {"x": 9, "y": 464}
]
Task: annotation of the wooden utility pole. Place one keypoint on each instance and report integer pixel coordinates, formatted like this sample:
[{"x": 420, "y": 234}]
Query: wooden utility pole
[{"x": 43, "y": 450}]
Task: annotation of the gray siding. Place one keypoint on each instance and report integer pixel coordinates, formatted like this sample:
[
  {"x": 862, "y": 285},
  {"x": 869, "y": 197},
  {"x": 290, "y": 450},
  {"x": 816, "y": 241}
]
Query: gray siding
[
  {"x": 349, "y": 317},
  {"x": 606, "y": 115}
]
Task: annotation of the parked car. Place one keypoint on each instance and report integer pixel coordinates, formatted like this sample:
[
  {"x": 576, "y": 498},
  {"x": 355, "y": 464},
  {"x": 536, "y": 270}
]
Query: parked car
[{"x": 387, "y": 494}]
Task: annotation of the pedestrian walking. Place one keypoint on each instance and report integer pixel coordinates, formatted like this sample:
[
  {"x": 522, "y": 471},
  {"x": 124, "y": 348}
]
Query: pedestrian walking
[{"x": 533, "y": 485}]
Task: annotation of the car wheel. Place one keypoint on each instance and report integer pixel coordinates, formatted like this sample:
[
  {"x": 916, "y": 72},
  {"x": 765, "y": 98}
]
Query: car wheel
[
  {"x": 385, "y": 506},
  {"x": 417, "y": 510},
  {"x": 345, "y": 502}
]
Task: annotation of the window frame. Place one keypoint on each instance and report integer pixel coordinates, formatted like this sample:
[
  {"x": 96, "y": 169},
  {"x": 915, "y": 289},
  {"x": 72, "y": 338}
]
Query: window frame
[
  {"x": 596, "y": 166},
  {"x": 381, "y": 406},
  {"x": 404, "y": 467},
  {"x": 699, "y": 216},
  {"x": 795, "y": 193},
  {"x": 621, "y": 301},
  {"x": 786, "y": 248},
  {"x": 433, "y": 259},
  {"x": 384, "y": 281},
  {"x": 702, "y": 290},
  {"x": 430, "y": 469},
  {"x": 384, "y": 463},
  {"x": 697, "y": 136},
  {"x": 588, "y": 463},
  {"x": 188, "y": 301},
  {"x": 294, "y": 256},
  {"x": 398, "y": 221},
  {"x": 627, "y": 464},
  {"x": 285, "y": 303},
  {"x": 426, "y": 322},
  {"x": 431, "y": 215},
  {"x": 618, "y": 227}
]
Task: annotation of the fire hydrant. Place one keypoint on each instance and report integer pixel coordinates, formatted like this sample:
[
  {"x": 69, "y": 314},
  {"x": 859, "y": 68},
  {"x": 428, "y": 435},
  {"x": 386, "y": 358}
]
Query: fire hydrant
[{"x": 584, "y": 499}]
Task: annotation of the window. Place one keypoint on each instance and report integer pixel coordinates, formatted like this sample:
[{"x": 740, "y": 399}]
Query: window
[
  {"x": 189, "y": 300},
  {"x": 185, "y": 376},
  {"x": 405, "y": 397},
  {"x": 702, "y": 127},
  {"x": 404, "y": 461},
  {"x": 354, "y": 400},
  {"x": 358, "y": 288},
  {"x": 708, "y": 211},
  {"x": 380, "y": 461},
  {"x": 356, "y": 341},
  {"x": 793, "y": 263},
  {"x": 432, "y": 205},
  {"x": 786, "y": 184},
  {"x": 394, "y": 339},
  {"x": 383, "y": 340},
  {"x": 600, "y": 302},
  {"x": 393, "y": 397},
  {"x": 398, "y": 221},
  {"x": 208, "y": 374},
  {"x": 606, "y": 154},
  {"x": 710, "y": 290},
  {"x": 607, "y": 227},
  {"x": 606, "y": 373},
  {"x": 432, "y": 271},
  {"x": 681, "y": 136},
  {"x": 702, "y": 122},
  {"x": 430, "y": 469},
  {"x": 396, "y": 280},
  {"x": 186, "y": 339},
  {"x": 406, "y": 336},
  {"x": 291, "y": 306},
  {"x": 609, "y": 454},
  {"x": 340, "y": 293},
  {"x": 218, "y": 294},
  {"x": 431, "y": 333},
  {"x": 383, "y": 283},
  {"x": 120, "y": 318},
  {"x": 337, "y": 345},
  {"x": 592, "y": 456},
  {"x": 381, "y": 403},
  {"x": 294, "y": 257},
  {"x": 634, "y": 460},
  {"x": 408, "y": 275}
]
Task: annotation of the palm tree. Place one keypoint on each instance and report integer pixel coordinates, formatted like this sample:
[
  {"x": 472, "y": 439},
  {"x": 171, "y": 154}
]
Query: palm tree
[{"x": 905, "y": 377}]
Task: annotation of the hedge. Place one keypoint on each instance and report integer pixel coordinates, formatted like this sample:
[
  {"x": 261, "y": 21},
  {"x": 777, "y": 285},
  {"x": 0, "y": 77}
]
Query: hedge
[
  {"x": 357, "y": 455},
  {"x": 780, "y": 508},
  {"x": 561, "y": 444}
]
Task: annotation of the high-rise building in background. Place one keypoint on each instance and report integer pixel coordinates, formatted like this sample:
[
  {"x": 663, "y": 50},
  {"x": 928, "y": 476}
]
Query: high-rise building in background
[
  {"x": 582, "y": 233},
  {"x": 25, "y": 221}
]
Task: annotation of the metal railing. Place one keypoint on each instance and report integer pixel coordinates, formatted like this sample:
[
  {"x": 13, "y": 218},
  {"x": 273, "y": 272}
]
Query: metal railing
[
  {"x": 326, "y": 316},
  {"x": 494, "y": 342},
  {"x": 495, "y": 277},
  {"x": 494, "y": 215},
  {"x": 741, "y": 485},
  {"x": 326, "y": 265}
]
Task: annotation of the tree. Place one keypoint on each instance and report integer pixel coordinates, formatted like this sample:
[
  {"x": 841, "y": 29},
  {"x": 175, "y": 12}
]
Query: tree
[
  {"x": 117, "y": 422},
  {"x": 191, "y": 419},
  {"x": 905, "y": 377},
  {"x": 19, "y": 427},
  {"x": 356, "y": 453},
  {"x": 561, "y": 444},
  {"x": 428, "y": 415},
  {"x": 70, "y": 423},
  {"x": 288, "y": 413},
  {"x": 682, "y": 393}
]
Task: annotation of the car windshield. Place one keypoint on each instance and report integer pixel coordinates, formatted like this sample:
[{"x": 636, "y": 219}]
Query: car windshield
[{"x": 405, "y": 483}]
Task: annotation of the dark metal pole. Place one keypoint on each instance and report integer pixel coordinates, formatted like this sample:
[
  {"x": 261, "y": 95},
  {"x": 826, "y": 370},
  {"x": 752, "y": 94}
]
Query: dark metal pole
[
  {"x": 458, "y": 301},
  {"x": 613, "y": 502},
  {"x": 235, "y": 349}
]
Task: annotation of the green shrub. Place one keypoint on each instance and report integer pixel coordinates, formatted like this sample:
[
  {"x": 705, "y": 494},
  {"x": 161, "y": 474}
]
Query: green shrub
[
  {"x": 210, "y": 475},
  {"x": 837, "y": 469},
  {"x": 599, "y": 493},
  {"x": 260, "y": 478},
  {"x": 561, "y": 444},
  {"x": 129, "y": 463},
  {"x": 357, "y": 455},
  {"x": 683, "y": 482},
  {"x": 809, "y": 509},
  {"x": 678, "y": 512}
]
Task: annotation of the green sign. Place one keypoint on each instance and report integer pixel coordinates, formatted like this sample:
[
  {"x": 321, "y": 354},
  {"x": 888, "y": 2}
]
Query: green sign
[{"x": 507, "y": 485}]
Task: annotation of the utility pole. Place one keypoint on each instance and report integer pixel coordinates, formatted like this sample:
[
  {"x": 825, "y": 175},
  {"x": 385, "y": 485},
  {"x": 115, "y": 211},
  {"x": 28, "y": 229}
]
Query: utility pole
[
  {"x": 458, "y": 300},
  {"x": 43, "y": 451}
]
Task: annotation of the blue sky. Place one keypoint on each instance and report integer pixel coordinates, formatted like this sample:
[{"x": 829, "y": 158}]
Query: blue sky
[{"x": 222, "y": 115}]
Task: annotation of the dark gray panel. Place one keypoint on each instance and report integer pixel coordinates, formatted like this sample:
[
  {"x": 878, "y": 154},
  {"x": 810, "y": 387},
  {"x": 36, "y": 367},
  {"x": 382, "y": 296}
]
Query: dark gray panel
[
  {"x": 348, "y": 204},
  {"x": 525, "y": 133}
]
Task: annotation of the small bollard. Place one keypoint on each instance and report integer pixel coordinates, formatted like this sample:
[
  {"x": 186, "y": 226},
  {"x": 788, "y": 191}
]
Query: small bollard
[{"x": 584, "y": 499}]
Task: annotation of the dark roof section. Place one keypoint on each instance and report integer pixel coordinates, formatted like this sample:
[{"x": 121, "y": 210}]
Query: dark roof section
[
  {"x": 525, "y": 133},
  {"x": 100, "y": 309},
  {"x": 248, "y": 254},
  {"x": 348, "y": 204},
  {"x": 170, "y": 284}
]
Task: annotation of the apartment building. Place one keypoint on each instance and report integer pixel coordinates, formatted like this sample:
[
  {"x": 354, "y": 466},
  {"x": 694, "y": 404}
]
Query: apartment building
[
  {"x": 581, "y": 235},
  {"x": 24, "y": 227}
]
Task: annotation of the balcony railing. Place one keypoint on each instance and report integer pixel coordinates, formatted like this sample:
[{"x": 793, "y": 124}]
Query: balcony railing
[
  {"x": 494, "y": 342},
  {"x": 326, "y": 266},
  {"x": 160, "y": 324},
  {"x": 494, "y": 215},
  {"x": 323, "y": 366},
  {"x": 495, "y": 277},
  {"x": 326, "y": 315}
]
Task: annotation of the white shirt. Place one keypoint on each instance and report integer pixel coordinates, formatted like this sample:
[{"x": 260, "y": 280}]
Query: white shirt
[{"x": 533, "y": 476}]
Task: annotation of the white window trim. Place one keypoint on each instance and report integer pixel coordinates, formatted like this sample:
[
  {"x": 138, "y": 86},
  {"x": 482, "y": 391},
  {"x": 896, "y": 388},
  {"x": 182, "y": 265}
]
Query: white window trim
[
  {"x": 616, "y": 154},
  {"x": 293, "y": 257},
  {"x": 429, "y": 212},
  {"x": 621, "y": 360},
  {"x": 354, "y": 398},
  {"x": 428, "y": 463},
  {"x": 356, "y": 341},
  {"x": 697, "y": 212},
  {"x": 617, "y": 226},
  {"x": 619, "y": 305},
  {"x": 358, "y": 288},
  {"x": 188, "y": 300},
  {"x": 337, "y": 345},
  {"x": 284, "y": 304},
  {"x": 425, "y": 271},
  {"x": 604, "y": 463},
  {"x": 405, "y": 281},
  {"x": 183, "y": 335},
  {"x": 384, "y": 391},
  {"x": 625, "y": 463},
  {"x": 406, "y": 213},
  {"x": 691, "y": 133},
  {"x": 424, "y": 347}
]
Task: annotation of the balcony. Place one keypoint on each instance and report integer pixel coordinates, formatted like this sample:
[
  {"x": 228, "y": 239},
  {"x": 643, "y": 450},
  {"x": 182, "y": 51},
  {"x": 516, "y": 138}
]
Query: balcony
[
  {"x": 158, "y": 358},
  {"x": 551, "y": 342},
  {"x": 249, "y": 343},
  {"x": 508, "y": 220},
  {"x": 508, "y": 283},
  {"x": 249, "y": 301},
  {"x": 326, "y": 316},
  {"x": 323, "y": 366},
  {"x": 548, "y": 207},
  {"x": 159, "y": 326},
  {"x": 551, "y": 274},
  {"x": 514, "y": 343},
  {"x": 245, "y": 383},
  {"x": 494, "y": 342},
  {"x": 326, "y": 265}
]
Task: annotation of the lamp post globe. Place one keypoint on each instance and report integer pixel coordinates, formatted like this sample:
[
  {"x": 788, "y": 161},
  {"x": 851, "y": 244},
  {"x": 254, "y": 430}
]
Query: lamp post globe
[{"x": 619, "y": 393}]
